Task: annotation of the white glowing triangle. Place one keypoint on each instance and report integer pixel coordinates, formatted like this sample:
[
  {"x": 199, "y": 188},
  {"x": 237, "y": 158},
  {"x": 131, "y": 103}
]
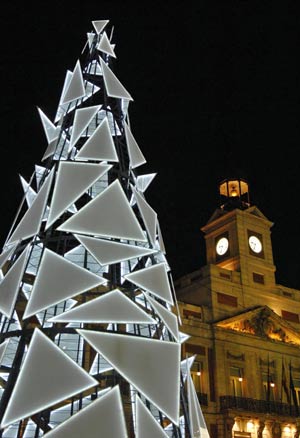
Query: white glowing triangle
[
  {"x": 186, "y": 366},
  {"x": 114, "y": 306},
  {"x": 3, "y": 347},
  {"x": 7, "y": 252},
  {"x": 72, "y": 180},
  {"x": 50, "y": 148},
  {"x": 100, "y": 365},
  {"x": 183, "y": 337},
  {"x": 136, "y": 157},
  {"x": 105, "y": 46},
  {"x": 75, "y": 89},
  {"x": 107, "y": 252},
  {"x": 146, "y": 425},
  {"x": 30, "y": 223},
  {"x": 82, "y": 119},
  {"x": 39, "y": 174},
  {"x": 90, "y": 38},
  {"x": 58, "y": 279},
  {"x": 198, "y": 425},
  {"x": 143, "y": 181},
  {"x": 148, "y": 214},
  {"x": 154, "y": 280},
  {"x": 100, "y": 145},
  {"x": 166, "y": 316},
  {"x": 29, "y": 193},
  {"x": 102, "y": 418},
  {"x": 10, "y": 284},
  {"x": 63, "y": 108},
  {"x": 48, "y": 375},
  {"x": 160, "y": 239},
  {"x": 99, "y": 25},
  {"x": 108, "y": 214},
  {"x": 113, "y": 86},
  {"x": 134, "y": 356},
  {"x": 49, "y": 128}
]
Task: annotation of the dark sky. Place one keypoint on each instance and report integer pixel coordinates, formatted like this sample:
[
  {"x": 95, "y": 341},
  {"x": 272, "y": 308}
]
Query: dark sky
[{"x": 216, "y": 94}]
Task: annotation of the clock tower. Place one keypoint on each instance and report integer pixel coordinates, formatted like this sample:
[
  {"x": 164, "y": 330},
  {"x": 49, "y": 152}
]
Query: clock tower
[
  {"x": 238, "y": 236},
  {"x": 244, "y": 328}
]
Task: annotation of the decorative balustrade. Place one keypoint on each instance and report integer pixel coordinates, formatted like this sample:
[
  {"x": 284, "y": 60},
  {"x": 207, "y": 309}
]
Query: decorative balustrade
[{"x": 259, "y": 406}]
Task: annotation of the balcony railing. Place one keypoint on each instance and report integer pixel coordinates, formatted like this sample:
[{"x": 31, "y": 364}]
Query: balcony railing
[{"x": 259, "y": 406}]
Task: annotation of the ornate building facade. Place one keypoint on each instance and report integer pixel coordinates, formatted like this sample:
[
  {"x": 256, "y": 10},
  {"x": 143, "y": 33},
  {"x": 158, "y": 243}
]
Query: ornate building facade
[{"x": 244, "y": 328}]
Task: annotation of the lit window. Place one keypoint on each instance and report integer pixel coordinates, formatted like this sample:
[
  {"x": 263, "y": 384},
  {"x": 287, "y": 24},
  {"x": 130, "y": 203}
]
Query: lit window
[
  {"x": 197, "y": 375},
  {"x": 269, "y": 386},
  {"x": 236, "y": 381}
]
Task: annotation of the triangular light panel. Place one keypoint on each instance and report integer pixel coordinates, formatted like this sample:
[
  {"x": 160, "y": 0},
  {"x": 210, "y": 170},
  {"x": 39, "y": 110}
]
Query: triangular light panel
[
  {"x": 167, "y": 317},
  {"x": 134, "y": 357},
  {"x": 113, "y": 307},
  {"x": 154, "y": 280},
  {"x": 199, "y": 428},
  {"x": 100, "y": 365},
  {"x": 113, "y": 86},
  {"x": 136, "y": 157},
  {"x": 50, "y": 149},
  {"x": 146, "y": 425},
  {"x": 3, "y": 347},
  {"x": 102, "y": 418},
  {"x": 75, "y": 88},
  {"x": 10, "y": 284},
  {"x": 142, "y": 183},
  {"x": 90, "y": 38},
  {"x": 6, "y": 253},
  {"x": 39, "y": 174},
  {"x": 105, "y": 46},
  {"x": 186, "y": 366},
  {"x": 99, "y": 25},
  {"x": 30, "y": 223},
  {"x": 49, "y": 128},
  {"x": 148, "y": 214},
  {"x": 82, "y": 118},
  {"x": 48, "y": 375},
  {"x": 108, "y": 214},
  {"x": 63, "y": 108},
  {"x": 68, "y": 187},
  {"x": 160, "y": 239},
  {"x": 57, "y": 280},
  {"x": 29, "y": 193},
  {"x": 100, "y": 145},
  {"x": 107, "y": 252}
]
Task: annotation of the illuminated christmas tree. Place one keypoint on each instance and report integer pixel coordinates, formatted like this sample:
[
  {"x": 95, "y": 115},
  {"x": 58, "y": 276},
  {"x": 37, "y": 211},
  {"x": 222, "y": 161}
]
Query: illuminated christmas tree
[{"x": 90, "y": 344}]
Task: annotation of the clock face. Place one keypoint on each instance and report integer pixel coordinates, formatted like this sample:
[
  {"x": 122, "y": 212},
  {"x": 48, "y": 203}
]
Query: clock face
[
  {"x": 255, "y": 244},
  {"x": 222, "y": 246}
]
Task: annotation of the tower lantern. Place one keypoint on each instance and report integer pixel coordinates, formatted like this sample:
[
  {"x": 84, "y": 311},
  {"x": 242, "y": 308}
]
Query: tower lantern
[{"x": 234, "y": 193}]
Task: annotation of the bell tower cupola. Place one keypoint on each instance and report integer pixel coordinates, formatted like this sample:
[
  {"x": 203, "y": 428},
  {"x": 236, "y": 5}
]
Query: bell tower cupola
[{"x": 234, "y": 193}]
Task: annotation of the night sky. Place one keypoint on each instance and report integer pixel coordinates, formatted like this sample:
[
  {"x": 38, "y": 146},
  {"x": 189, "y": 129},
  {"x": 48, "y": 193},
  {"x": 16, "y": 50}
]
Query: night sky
[{"x": 216, "y": 94}]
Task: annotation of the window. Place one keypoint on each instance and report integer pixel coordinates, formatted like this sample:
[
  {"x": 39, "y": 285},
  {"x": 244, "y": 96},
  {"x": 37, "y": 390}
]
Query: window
[
  {"x": 187, "y": 313},
  {"x": 197, "y": 375},
  {"x": 194, "y": 349},
  {"x": 269, "y": 386},
  {"x": 229, "y": 300},
  {"x": 236, "y": 381},
  {"x": 290, "y": 316},
  {"x": 258, "y": 278},
  {"x": 297, "y": 388}
]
